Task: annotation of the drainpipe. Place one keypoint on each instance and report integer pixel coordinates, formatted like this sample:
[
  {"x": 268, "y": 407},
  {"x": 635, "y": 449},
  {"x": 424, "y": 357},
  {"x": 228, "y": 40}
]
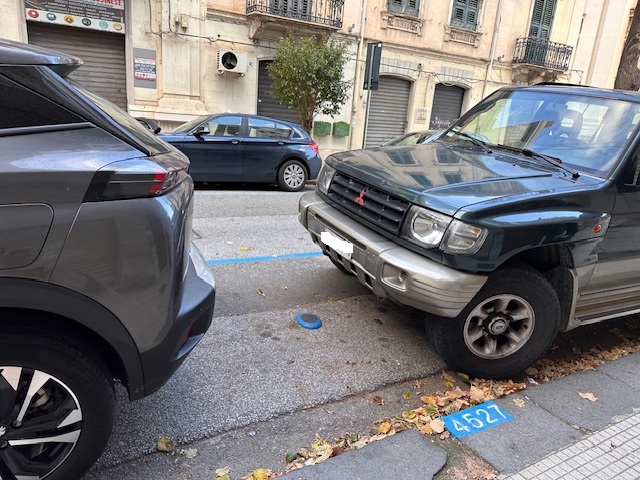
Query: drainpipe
[
  {"x": 494, "y": 40},
  {"x": 357, "y": 80}
]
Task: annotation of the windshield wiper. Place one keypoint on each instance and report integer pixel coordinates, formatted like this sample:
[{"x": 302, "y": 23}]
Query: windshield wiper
[
  {"x": 472, "y": 139},
  {"x": 555, "y": 161}
]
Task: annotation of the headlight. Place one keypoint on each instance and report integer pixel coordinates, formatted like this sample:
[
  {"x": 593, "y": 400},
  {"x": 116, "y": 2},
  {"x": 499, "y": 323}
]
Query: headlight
[
  {"x": 463, "y": 238},
  {"x": 433, "y": 229},
  {"x": 428, "y": 227},
  {"x": 324, "y": 178}
]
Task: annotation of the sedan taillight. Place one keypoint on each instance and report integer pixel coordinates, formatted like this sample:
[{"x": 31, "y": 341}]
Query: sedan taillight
[{"x": 133, "y": 179}]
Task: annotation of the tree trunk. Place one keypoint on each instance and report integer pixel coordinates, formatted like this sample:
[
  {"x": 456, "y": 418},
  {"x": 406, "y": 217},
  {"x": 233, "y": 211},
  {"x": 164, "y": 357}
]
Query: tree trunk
[{"x": 628, "y": 77}]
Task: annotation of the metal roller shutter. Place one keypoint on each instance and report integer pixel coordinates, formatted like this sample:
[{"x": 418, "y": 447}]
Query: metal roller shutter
[
  {"x": 447, "y": 106},
  {"x": 388, "y": 111},
  {"x": 267, "y": 105},
  {"x": 104, "y": 69}
]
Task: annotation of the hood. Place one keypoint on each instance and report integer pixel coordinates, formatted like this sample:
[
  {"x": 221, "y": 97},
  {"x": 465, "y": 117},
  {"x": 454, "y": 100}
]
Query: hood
[{"x": 448, "y": 176}]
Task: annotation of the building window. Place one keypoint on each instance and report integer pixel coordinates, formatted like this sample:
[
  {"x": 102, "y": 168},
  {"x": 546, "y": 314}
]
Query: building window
[
  {"x": 542, "y": 18},
  {"x": 408, "y": 7},
  {"x": 465, "y": 13}
]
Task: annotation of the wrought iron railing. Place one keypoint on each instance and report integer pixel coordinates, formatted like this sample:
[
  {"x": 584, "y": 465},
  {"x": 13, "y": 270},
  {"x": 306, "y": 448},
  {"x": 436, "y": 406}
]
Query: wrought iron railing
[
  {"x": 325, "y": 12},
  {"x": 543, "y": 53}
]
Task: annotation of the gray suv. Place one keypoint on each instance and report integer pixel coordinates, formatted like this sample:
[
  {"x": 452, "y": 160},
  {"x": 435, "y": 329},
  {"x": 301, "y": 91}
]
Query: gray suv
[{"x": 98, "y": 276}]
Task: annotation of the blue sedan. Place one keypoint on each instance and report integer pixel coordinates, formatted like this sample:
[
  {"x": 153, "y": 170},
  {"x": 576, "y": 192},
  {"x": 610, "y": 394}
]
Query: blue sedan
[{"x": 234, "y": 147}]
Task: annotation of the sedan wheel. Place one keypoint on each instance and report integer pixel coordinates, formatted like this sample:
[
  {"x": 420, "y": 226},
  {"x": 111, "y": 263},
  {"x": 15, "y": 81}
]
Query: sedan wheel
[
  {"x": 292, "y": 176},
  {"x": 56, "y": 408}
]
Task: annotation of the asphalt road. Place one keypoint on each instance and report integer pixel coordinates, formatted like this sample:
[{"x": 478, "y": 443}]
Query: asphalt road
[{"x": 256, "y": 363}]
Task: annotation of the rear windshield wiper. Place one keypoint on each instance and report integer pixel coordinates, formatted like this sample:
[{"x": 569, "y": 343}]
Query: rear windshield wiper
[
  {"x": 555, "y": 161},
  {"x": 472, "y": 139}
]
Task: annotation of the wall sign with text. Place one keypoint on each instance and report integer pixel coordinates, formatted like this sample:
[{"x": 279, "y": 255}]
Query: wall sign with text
[{"x": 107, "y": 15}]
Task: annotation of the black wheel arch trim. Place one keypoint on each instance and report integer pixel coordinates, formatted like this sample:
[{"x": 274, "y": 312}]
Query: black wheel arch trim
[{"x": 45, "y": 298}]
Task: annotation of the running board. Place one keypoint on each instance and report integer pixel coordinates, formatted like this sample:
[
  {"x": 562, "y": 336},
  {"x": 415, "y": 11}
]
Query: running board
[{"x": 595, "y": 310}]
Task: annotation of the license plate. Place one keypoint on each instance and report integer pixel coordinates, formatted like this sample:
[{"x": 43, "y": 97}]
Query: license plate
[{"x": 341, "y": 246}]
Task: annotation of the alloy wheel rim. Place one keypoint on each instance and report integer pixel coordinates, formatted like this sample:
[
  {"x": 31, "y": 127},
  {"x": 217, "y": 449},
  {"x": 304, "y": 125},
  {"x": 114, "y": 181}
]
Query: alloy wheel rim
[
  {"x": 499, "y": 326},
  {"x": 40, "y": 422},
  {"x": 293, "y": 176}
]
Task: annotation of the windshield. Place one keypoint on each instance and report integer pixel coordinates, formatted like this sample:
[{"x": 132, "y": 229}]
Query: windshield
[
  {"x": 190, "y": 125},
  {"x": 586, "y": 133}
]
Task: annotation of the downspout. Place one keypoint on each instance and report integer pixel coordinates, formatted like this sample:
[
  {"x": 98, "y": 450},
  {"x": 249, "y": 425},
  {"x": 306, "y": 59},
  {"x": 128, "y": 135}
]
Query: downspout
[
  {"x": 494, "y": 41},
  {"x": 357, "y": 80}
]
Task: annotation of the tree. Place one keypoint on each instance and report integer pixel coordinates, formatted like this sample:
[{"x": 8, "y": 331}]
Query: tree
[
  {"x": 628, "y": 76},
  {"x": 307, "y": 76}
]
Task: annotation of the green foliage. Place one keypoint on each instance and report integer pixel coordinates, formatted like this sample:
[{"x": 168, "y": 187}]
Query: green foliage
[{"x": 307, "y": 76}]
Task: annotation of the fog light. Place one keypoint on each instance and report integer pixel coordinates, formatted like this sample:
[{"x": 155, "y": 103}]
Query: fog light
[{"x": 402, "y": 276}]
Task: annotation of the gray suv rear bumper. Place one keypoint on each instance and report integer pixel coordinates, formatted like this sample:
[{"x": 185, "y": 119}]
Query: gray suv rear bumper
[{"x": 388, "y": 269}]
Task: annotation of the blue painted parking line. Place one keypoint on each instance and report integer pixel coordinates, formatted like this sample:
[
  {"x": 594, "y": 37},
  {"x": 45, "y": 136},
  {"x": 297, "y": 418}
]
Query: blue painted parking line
[
  {"x": 475, "y": 419},
  {"x": 286, "y": 256}
]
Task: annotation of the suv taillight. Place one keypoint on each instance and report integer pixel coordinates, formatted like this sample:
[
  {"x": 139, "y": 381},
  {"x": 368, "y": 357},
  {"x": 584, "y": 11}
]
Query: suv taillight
[{"x": 134, "y": 179}]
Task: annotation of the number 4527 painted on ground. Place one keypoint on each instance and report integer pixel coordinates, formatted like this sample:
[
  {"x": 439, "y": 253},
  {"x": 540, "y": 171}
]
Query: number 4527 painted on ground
[{"x": 475, "y": 419}]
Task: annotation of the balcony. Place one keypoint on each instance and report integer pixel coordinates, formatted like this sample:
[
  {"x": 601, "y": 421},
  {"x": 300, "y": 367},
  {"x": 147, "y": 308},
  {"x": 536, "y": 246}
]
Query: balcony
[
  {"x": 317, "y": 16},
  {"x": 537, "y": 57}
]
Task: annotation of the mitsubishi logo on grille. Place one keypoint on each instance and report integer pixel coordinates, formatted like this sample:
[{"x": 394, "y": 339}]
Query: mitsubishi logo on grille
[
  {"x": 360, "y": 198},
  {"x": 3, "y": 430}
]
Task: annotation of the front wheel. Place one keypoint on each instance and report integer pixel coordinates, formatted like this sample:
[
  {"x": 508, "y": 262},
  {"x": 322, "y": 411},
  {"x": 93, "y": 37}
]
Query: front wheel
[
  {"x": 509, "y": 324},
  {"x": 292, "y": 176},
  {"x": 56, "y": 407}
]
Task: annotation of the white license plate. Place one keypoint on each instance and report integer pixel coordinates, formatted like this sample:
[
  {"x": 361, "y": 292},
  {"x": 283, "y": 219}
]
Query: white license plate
[{"x": 341, "y": 246}]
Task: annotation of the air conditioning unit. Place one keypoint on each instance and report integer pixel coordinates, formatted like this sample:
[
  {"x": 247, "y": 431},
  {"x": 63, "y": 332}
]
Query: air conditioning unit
[{"x": 230, "y": 61}]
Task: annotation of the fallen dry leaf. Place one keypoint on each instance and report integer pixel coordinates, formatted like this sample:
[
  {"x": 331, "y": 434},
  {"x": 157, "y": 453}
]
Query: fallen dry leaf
[
  {"x": 384, "y": 427},
  {"x": 244, "y": 249},
  {"x": 260, "y": 474},
  {"x": 378, "y": 400},
  {"x": 518, "y": 402},
  {"x": 437, "y": 425},
  {"x": 588, "y": 396},
  {"x": 407, "y": 395},
  {"x": 165, "y": 444},
  {"x": 261, "y": 292}
]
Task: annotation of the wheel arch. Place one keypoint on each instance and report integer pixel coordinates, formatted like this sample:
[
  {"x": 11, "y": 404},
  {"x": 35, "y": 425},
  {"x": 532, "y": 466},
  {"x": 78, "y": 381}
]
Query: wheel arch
[
  {"x": 59, "y": 311},
  {"x": 555, "y": 263}
]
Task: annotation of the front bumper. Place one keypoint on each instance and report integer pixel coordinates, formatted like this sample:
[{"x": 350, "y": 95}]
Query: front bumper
[{"x": 388, "y": 269}]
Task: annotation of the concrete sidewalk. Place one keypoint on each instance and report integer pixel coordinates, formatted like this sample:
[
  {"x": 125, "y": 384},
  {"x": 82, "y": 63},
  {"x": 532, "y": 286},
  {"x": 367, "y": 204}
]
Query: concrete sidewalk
[{"x": 555, "y": 433}]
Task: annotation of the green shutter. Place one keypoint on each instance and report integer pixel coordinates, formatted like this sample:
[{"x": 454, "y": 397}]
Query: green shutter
[
  {"x": 542, "y": 18},
  {"x": 465, "y": 13}
]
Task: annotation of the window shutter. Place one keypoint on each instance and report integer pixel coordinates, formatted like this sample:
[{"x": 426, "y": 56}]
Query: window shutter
[
  {"x": 465, "y": 13},
  {"x": 542, "y": 18}
]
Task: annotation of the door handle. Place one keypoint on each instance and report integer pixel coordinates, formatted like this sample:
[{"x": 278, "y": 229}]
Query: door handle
[
  {"x": 235, "y": 141},
  {"x": 280, "y": 142}
]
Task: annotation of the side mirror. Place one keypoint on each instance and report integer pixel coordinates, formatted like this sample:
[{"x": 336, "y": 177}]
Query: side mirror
[{"x": 202, "y": 130}]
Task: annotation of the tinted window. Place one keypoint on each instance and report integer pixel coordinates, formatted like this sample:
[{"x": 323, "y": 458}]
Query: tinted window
[
  {"x": 24, "y": 108},
  {"x": 262, "y": 128},
  {"x": 227, "y": 126}
]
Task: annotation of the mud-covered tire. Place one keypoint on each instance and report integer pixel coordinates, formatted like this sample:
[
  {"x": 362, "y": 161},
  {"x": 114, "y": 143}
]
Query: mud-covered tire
[
  {"x": 509, "y": 325},
  {"x": 51, "y": 388},
  {"x": 292, "y": 176}
]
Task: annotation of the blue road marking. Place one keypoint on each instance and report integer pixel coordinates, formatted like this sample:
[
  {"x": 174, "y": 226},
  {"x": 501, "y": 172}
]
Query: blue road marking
[
  {"x": 475, "y": 419},
  {"x": 286, "y": 256}
]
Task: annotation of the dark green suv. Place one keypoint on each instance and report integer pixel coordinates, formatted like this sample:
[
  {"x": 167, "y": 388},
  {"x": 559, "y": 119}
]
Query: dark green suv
[
  {"x": 520, "y": 221},
  {"x": 98, "y": 276}
]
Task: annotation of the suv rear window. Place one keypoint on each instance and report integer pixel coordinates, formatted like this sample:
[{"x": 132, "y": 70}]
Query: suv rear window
[{"x": 24, "y": 108}]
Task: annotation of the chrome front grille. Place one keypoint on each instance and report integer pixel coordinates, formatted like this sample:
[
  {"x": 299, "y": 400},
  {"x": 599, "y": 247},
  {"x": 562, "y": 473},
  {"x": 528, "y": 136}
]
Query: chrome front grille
[{"x": 369, "y": 203}]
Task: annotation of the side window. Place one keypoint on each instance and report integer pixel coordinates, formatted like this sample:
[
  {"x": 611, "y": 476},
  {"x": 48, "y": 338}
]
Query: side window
[
  {"x": 262, "y": 128},
  {"x": 465, "y": 13},
  {"x": 408, "y": 7},
  {"x": 542, "y": 18},
  {"x": 227, "y": 126},
  {"x": 23, "y": 108}
]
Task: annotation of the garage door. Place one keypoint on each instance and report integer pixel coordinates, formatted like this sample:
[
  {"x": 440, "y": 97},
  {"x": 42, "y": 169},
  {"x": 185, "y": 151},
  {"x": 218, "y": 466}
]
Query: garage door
[
  {"x": 103, "y": 70},
  {"x": 388, "y": 111},
  {"x": 267, "y": 104},
  {"x": 447, "y": 106}
]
